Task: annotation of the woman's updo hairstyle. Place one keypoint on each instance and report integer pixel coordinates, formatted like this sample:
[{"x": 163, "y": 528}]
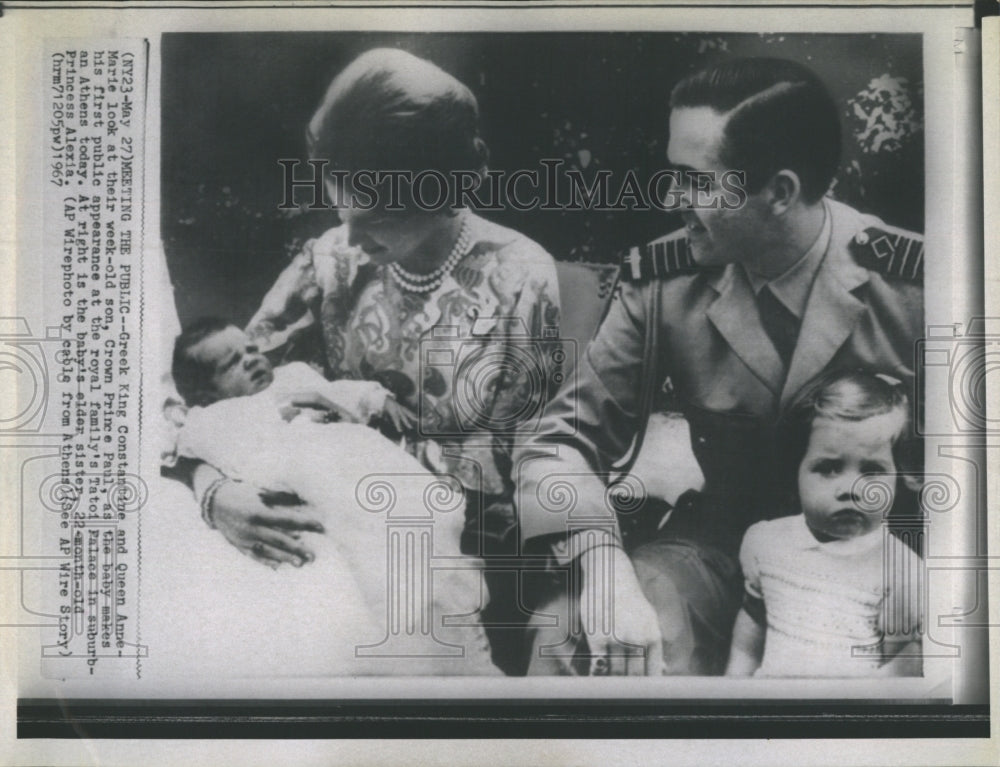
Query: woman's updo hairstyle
[{"x": 389, "y": 110}]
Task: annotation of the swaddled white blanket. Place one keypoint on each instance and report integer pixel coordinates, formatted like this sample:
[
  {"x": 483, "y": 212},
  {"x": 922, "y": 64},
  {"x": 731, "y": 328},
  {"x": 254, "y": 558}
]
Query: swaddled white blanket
[{"x": 395, "y": 525}]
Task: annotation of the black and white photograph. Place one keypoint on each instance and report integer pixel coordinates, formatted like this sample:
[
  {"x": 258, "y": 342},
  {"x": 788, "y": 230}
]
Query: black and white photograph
[
  {"x": 434, "y": 290},
  {"x": 424, "y": 372}
]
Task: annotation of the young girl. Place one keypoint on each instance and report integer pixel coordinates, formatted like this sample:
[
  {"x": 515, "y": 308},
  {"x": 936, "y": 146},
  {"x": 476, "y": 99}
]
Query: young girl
[{"x": 823, "y": 586}]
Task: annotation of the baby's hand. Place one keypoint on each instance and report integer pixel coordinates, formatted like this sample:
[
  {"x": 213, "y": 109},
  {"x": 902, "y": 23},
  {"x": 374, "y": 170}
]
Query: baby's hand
[
  {"x": 317, "y": 407},
  {"x": 402, "y": 418}
]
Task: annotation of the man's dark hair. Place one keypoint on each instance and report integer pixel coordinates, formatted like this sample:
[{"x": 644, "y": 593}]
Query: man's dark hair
[
  {"x": 781, "y": 116},
  {"x": 192, "y": 378}
]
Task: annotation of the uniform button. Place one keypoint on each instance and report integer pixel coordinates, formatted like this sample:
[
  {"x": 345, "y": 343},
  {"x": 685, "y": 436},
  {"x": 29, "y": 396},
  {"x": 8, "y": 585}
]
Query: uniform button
[
  {"x": 861, "y": 238},
  {"x": 702, "y": 440}
]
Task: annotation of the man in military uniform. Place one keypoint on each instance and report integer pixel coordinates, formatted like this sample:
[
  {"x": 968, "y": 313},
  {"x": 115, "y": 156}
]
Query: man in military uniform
[{"x": 740, "y": 309}]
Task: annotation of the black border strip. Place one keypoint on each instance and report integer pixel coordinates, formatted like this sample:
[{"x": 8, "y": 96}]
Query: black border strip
[{"x": 361, "y": 719}]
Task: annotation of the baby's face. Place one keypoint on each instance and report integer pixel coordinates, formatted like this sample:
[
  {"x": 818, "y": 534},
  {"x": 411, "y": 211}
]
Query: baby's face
[
  {"x": 839, "y": 453},
  {"x": 238, "y": 367}
]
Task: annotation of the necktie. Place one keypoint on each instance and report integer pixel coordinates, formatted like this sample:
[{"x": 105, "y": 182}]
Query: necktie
[{"x": 779, "y": 323}]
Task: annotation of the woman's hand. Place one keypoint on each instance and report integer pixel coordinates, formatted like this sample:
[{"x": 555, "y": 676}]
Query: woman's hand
[
  {"x": 622, "y": 630},
  {"x": 269, "y": 534}
]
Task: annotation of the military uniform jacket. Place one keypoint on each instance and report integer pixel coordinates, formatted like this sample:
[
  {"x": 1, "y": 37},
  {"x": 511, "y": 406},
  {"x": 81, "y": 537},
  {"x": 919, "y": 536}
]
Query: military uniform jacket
[{"x": 864, "y": 310}]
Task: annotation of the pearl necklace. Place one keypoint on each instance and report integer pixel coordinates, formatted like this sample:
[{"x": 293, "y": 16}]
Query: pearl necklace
[{"x": 428, "y": 283}]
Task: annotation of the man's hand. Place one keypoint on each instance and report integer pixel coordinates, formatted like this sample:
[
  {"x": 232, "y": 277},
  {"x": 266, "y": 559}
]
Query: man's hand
[
  {"x": 620, "y": 624},
  {"x": 269, "y": 534}
]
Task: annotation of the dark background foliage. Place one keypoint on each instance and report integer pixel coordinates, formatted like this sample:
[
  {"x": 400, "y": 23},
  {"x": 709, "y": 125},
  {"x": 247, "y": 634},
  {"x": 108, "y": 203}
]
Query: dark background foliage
[{"x": 233, "y": 104}]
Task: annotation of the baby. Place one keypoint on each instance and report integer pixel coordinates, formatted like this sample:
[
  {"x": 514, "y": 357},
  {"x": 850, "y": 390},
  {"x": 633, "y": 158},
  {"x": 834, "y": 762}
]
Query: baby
[
  {"x": 270, "y": 427},
  {"x": 215, "y": 360},
  {"x": 828, "y": 592}
]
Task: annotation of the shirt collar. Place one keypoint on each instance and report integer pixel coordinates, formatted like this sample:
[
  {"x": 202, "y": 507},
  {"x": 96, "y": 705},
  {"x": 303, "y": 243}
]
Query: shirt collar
[
  {"x": 793, "y": 285},
  {"x": 802, "y": 539}
]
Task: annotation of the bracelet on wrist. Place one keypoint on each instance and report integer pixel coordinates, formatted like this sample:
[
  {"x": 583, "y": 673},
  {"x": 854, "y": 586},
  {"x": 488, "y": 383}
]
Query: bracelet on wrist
[
  {"x": 593, "y": 547},
  {"x": 590, "y": 539},
  {"x": 576, "y": 546},
  {"x": 209, "y": 497}
]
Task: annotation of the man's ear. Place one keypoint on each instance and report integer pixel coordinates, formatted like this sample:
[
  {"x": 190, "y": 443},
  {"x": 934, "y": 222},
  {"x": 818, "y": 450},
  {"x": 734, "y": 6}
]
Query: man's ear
[{"x": 785, "y": 190}]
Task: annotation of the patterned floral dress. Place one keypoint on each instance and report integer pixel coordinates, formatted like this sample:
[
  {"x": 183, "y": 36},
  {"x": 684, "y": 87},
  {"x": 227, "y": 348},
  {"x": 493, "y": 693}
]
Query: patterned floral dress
[{"x": 475, "y": 359}]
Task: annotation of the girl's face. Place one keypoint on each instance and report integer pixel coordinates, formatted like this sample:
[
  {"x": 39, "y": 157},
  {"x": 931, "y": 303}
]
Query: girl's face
[{"x": 838, "y": 454}]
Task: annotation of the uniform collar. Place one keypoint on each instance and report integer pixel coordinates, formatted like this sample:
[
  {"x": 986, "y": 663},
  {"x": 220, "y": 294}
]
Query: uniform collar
[
  {"x": 732, "y": 314},
  {"x": 835, "y": 261},
  {"x": 800, "y": 538},
  {"x": 793, "y": 285},
  {"x": 831, "y": 310}
]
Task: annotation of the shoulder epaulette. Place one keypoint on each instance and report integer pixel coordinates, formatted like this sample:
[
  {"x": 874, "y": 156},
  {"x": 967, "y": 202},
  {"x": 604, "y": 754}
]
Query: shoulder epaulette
[
  {"x": 888, "y": 252},
  {"x": 661, "y": 258}
]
